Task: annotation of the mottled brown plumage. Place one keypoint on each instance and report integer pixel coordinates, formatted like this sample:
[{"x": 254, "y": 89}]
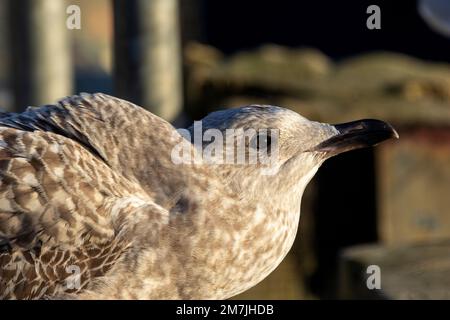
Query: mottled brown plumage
[
  {"x": 64, "y": 170},
  {"x": 89, "y": 185}
]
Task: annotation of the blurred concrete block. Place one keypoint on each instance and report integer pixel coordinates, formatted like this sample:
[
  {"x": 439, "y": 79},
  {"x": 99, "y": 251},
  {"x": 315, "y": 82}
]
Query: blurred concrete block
[
  {"x": 413, "y": 187},
  {"x": 147, "y": 50},
  {"x": 394, "y": 87},
  {"x": 40, "y": 52},
  {"x": 406, "y": 272}
]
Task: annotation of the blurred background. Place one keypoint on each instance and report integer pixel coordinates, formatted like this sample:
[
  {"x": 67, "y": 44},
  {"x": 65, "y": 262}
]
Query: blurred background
[{"x": 331, "y": 61}]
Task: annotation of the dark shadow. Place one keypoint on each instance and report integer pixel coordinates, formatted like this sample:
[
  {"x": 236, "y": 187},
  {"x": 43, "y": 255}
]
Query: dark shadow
[{"x": 345, "y": 213}]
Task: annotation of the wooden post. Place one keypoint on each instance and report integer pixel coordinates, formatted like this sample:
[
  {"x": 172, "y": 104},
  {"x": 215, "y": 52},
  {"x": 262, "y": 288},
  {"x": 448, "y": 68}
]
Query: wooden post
[
  {"x": 147, "y": 55},
  {"x": 40, "y": 47}
]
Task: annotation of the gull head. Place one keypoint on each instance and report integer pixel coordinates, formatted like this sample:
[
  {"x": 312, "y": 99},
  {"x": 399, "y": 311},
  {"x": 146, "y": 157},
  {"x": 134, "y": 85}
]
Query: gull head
[
  {"x": 259, "y": 145},
  {"x": 267, "y": 155}
]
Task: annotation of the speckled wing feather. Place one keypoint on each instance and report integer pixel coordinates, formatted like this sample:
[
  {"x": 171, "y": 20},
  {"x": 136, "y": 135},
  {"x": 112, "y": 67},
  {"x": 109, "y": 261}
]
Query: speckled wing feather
[
  {"x": 70, "y": 185},
  {"x": 131, "y": 140}
]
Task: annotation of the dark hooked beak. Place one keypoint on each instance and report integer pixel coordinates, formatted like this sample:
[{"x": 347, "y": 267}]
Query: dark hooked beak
[{"x": 357, "y": 134}]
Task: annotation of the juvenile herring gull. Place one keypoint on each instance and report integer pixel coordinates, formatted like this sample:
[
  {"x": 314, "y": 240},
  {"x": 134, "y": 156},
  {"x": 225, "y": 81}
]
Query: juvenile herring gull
[{"x": 94, "y": 205}]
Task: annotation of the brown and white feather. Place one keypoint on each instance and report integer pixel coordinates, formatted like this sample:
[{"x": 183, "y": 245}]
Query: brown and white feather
[{"x": 90, "y": 182}]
